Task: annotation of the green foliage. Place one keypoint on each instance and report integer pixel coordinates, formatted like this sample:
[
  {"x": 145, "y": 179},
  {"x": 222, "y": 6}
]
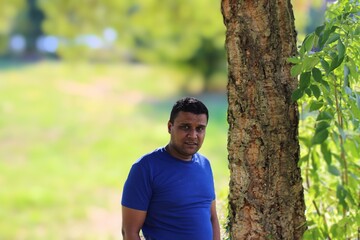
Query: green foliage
[
  {"x": 173, "y": 32},
  {"x": 187, "y": 33},
  {"x": 28, "y": 23},
  {"x": 8, "y": 12},
  {"x": 328, "y": 94}
]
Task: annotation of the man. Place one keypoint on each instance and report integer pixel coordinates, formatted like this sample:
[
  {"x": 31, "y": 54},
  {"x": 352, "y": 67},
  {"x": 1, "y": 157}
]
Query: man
[{"x": 169, "y": 193}]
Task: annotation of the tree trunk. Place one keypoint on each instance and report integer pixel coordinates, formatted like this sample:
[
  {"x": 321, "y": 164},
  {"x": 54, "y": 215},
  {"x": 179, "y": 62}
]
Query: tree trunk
[{"x": 266, "y": 198}]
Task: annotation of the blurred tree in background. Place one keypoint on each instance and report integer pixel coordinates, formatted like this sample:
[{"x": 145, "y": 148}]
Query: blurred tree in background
[
  {"x": 174, "y": 33},
  {"x": 186, "y": 34},
  {"x": 8, "y": 11},
  {"x": 28, "y": 24}
]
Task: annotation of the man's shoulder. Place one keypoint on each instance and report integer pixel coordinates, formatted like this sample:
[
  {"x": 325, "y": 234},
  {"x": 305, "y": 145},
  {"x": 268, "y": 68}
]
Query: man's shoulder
[
  {"x": 151, "y": 156},
  {"x": 202, "y": 160},
  {"x": 201, "y": 157}
]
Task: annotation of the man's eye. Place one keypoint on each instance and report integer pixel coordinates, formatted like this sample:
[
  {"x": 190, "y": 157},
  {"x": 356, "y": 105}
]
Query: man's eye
[
  {"x": 185, "y": 127},
  {"x": 200, "y": 129}
]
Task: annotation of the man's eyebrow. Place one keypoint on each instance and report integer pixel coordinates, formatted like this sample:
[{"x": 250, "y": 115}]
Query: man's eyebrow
[{"x": 185, "y": 123}]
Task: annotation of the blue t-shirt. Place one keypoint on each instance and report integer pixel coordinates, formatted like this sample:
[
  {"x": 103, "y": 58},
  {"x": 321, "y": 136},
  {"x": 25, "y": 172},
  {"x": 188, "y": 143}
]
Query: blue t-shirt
[{"x": 176, "y": 194}]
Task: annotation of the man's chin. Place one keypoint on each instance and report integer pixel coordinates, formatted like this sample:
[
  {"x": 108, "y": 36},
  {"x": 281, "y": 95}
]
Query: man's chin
[{"x": 191, "y": 151}]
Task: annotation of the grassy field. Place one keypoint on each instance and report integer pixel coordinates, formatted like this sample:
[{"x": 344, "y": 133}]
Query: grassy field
[{"x": 69, "y": 134}]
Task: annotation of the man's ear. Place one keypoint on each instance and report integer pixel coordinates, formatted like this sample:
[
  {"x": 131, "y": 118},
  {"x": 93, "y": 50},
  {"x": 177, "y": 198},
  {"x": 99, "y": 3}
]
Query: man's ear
[{"x": 169, "y": 126}]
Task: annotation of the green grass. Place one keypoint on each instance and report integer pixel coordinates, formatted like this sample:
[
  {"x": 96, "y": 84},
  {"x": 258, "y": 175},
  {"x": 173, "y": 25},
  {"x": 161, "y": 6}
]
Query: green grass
[{"x": 69, "y": 134}]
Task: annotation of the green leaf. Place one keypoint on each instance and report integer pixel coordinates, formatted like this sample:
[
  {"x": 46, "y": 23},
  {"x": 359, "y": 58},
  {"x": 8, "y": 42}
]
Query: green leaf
[
  {"x": 333, "y": 170},
  {"x": 322, "y": 125},
  {"x": 316, "y": 73},
  {"x": 333, "y": 55},
  {"x": 341, "y": 194},
  {"x": 325, "y": 84},
  {"x": 342, "y": 132},
  {"x": 326, "y": 153},
  {"x": 314, "y": 165},
  {"x": 320, "y": 137},
  {"x": 352, "y": 195},
  {"x": 332, "y": 29},
  {"x": 343, "y": 222},
  {"x": 316, "y": 105},
  {"x": 333, "y": 37},
  {"x": 294, "y": 60},
  {"x": 319, "y": 30},
  {"x": 306, "y": 141},
  {"x": 297, "y": 94},
  {"x": 304, "y": 80},
  {"x": 329, "y": 101},
  {"x": 314, "y": 232},
  {"x": 310, "y": 62},
  {"x": 296, "y": 70},
  {"x": 340, "y": 191},
  {"x": 314, "y": 191},
  {"x": 353, "y": 150},
  {"x": 348, "y": 91},
  {"x": 323, "y": 38},
  {"x": 324, "y": 115},
  {"x": 336, "y": 230},
  {"x": 310, "y": 223},
  {"x": 316, "y": 91},
  {"x": 355, "y": 109},
  {"x": 341, "y": 49},
  {"x": 302, "y": 50},
  {"x": 308, "y": 92},
  {"x": 309, "y": 42},
  {"x": 336, "y": 61},
  {"x": 325, "y": 65},
  {"x": 303, "y": 159},
  {"x": 357, "y": 30}
]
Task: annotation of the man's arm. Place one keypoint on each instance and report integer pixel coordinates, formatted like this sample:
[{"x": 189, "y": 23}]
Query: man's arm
[
  {"x": 215, "y": 221},
  {"x": 132, "y": 221}
]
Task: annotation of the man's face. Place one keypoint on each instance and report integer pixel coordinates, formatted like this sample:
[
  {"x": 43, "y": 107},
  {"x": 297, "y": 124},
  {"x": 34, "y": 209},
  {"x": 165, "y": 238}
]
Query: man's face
[{"x": 187, "y": 134}]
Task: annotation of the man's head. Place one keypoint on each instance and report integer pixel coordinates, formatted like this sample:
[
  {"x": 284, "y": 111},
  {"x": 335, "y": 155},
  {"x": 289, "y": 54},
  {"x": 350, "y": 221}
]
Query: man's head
[
  {"x": 187, "y": 127},
  {"x": 188, "y": 104}
]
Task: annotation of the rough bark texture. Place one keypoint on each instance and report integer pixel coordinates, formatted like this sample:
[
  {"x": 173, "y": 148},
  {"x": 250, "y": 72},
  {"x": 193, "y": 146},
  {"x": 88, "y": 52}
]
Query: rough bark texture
[{"x": 266, "y": 195}]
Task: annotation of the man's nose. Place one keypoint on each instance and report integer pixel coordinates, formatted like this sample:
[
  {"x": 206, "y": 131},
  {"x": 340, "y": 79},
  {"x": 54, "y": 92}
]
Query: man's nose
[{"x": 192, "y": 133}]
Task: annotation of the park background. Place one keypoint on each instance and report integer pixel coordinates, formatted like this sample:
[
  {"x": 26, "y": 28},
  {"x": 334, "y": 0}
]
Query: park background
[{"x": 86, "y": 89}]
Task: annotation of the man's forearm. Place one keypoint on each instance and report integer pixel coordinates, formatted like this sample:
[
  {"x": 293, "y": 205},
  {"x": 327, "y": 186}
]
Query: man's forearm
[
  {"x": 216, "y": 229},
  {"x": 131, "y": 236}
]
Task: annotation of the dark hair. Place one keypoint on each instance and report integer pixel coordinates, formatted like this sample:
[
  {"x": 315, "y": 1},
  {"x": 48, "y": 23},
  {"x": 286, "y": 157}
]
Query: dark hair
[{"x": 188, "y": 104}]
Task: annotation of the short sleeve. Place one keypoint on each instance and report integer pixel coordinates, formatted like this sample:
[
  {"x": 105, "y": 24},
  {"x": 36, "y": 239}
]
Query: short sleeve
[
  {"x": 212, "y": 178},
  {"x": 137, "y": 188}
]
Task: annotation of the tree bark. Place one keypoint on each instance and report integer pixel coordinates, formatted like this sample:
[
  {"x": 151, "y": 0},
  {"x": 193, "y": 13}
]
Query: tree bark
[{"x": 266, "y": 198}]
